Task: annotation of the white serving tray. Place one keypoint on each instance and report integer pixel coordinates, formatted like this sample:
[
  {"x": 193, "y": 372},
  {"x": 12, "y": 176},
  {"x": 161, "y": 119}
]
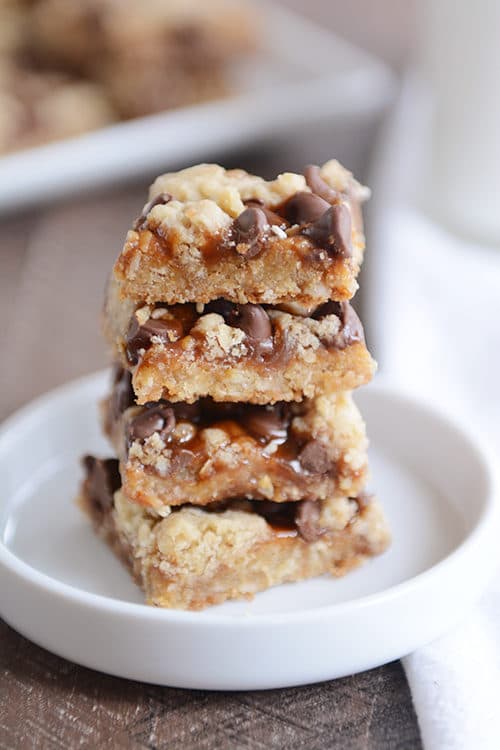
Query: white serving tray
[
  {"x": 61, "y": 586},
  {"x": 303, "y": 75}
]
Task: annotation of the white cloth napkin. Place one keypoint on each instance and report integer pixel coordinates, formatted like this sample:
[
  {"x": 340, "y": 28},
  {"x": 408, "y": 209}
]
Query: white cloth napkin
[{"x": 432, "y": 312}]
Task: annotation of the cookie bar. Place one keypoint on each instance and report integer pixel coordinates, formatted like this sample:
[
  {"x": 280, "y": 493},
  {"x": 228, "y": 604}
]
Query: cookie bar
[
  {"x": 195, "y": 557},
  {"x": 69, "y": 67},
  {"x": 241, "y": 458},
  {"x": 175, "y": 453},
  {"x": 210, "y": 233},
  {"x": 41, "y": 106},
  {"x": 234, "y": 352},
  {"x": 149, "y": 56}
]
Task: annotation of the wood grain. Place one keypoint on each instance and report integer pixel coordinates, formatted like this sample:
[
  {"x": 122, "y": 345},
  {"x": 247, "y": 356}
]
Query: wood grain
[{"x": 49, "y": 703}]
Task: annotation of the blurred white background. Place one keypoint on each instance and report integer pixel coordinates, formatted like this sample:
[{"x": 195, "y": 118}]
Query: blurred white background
[{"x": 388, "y": 28}]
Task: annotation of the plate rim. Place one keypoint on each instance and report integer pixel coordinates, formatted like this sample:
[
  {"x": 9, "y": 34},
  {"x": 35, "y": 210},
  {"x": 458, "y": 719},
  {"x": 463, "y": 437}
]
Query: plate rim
[{"x": 208, "y": 618}]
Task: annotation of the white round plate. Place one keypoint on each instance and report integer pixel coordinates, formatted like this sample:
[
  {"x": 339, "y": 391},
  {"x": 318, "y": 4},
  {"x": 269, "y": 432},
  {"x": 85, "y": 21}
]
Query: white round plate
[{"x": 62, "y": 588}]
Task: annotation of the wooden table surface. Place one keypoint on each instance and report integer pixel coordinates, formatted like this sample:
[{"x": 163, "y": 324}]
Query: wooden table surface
[{"x": 53, "y": 264}]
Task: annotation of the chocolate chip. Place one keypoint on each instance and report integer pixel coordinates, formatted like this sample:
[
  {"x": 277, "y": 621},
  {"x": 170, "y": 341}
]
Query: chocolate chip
[
  {"x": 332, "y": 231},
  {"x": 156, "y": 418},
  {"x": 158, "y": 200},
  {"x": 139, "y": 337},
  {"x": 215, "y": 411},
  {"x": 314, "y": 458},
  {"x": 266, "y": 423},
  {"x": 253, "y": 320},
  {"x": 103, "y": 480},
  {"x": 272, "y": 217},
  {"x": 328, "y": 308},
  {"x": 351, "y": 328},
  {"x": 303, "y": 516},
  {"x": 280, "y": 516},
  {"x": 247, "y": 230},
  {"x": 303, "y": 208},
  {"x": 307, "y": 520},
  {"x": 314, "y": 180},
  {"x": 187, "y": 412},
  {"x": 122, "y": 395},
  {"x": 221, "y": 307}
]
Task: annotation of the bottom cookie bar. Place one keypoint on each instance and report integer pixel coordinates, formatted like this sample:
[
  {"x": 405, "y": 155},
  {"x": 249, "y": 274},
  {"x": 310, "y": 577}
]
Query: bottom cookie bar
[{"x": 196, "y": 557}]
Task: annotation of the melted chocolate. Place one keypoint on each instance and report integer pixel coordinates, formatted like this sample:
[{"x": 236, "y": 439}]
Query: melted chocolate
[
  {"x": 322, "y": 215},
  {"x": 264, "y": 423},
  {"x": 351, "y": 328},
  {"x": 314, "y": 458},
  {"x": 303, "y": 208},
  {"x": 332, "y": 231},
  {"x": 122, "y": 395},
  {"x": 157, "y": 417},
  {"x": 307, "y": 520},
  {"x": 158, "y": 200},
  {"x": 264, "y": 342},
  {"x": 314, "y": 180},
  {"x": 273, "y": 218},
  {"x": 248, "y": 230},
  {"x": 102, "y": 481}
]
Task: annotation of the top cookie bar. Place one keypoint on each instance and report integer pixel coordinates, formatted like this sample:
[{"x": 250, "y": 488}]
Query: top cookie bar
[{"x": 208, "y": 233}]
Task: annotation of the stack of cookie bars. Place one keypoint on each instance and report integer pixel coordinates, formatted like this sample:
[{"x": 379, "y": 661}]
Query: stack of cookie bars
[{"x": 242, "y": 458}]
